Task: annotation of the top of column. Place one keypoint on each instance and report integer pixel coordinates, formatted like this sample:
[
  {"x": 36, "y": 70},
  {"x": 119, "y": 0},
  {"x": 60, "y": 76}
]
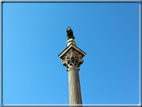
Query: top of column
[
  {"x": 71, "y": 44},
  {"x": 72, "y": 55}
]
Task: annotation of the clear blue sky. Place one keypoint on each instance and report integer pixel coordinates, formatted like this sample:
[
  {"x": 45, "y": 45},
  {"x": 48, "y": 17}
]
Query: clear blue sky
[{"x": 34, "y": 34}]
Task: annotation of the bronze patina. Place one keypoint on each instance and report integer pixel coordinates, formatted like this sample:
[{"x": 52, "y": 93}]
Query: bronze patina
[{"x": 70, "y": 33}]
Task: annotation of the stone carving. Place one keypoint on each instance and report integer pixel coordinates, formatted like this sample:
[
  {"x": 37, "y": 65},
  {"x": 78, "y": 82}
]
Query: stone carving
[
  {"x": 70, "y": 33},
  {"x": 72, "y": 58}
]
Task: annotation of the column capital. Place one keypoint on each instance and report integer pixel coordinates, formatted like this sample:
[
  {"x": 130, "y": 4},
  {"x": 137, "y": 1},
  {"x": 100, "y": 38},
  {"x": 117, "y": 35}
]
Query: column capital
[{"x": 72, "y": 57}]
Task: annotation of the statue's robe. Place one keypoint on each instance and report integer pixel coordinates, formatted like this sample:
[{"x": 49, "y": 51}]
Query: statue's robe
[{"x": 70, "y": 34}]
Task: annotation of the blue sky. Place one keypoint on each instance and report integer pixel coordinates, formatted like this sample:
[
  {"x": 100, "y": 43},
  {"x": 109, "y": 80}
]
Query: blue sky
[{"x": 34, "y": 34}]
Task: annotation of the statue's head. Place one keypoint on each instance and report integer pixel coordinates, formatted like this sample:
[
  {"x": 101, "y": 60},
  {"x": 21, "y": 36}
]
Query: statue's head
[
  {"x": 70, "y": 33},
  {"x": 68, "y": 29}
]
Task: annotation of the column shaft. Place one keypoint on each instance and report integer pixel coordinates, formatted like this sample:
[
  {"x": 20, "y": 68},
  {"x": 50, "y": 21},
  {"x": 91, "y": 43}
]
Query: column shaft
[{"x": 74, "y": 86}]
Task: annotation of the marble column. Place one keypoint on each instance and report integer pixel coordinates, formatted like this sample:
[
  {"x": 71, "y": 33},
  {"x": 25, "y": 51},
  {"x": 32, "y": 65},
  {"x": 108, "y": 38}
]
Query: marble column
[{"x": 72, "y": 59}]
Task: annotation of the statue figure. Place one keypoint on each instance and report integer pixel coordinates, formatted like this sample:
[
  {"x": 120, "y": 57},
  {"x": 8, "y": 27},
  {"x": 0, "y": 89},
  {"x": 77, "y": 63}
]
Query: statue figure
[{"x": 70, "y": 33}]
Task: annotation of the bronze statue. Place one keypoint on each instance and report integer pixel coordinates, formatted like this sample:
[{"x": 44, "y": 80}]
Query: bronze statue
[{"x": 70, "y": 33}]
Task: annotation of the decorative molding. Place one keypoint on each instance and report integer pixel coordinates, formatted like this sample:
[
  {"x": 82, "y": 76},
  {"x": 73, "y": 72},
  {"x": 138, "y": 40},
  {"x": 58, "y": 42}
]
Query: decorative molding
[
  {"x": 72, "y": 59},
  {"x": 71, "y": 46}
]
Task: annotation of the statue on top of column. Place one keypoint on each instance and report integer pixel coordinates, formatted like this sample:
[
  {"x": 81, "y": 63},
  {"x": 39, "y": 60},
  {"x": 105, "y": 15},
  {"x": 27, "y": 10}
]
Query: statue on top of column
[{"x": 70, "y": 33}]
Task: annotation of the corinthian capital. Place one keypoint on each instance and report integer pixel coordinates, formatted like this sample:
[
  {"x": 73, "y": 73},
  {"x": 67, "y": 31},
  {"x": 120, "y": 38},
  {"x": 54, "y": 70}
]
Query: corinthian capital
[{"x": 72, "y": 57}]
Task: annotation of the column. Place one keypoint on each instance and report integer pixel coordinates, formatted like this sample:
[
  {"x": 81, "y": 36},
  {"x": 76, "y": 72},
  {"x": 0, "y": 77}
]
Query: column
[{"x": 72, "y": 61}]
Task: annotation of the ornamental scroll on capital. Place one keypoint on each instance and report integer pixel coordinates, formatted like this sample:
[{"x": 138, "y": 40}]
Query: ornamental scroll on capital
[{"x": 72, "y": 58}]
